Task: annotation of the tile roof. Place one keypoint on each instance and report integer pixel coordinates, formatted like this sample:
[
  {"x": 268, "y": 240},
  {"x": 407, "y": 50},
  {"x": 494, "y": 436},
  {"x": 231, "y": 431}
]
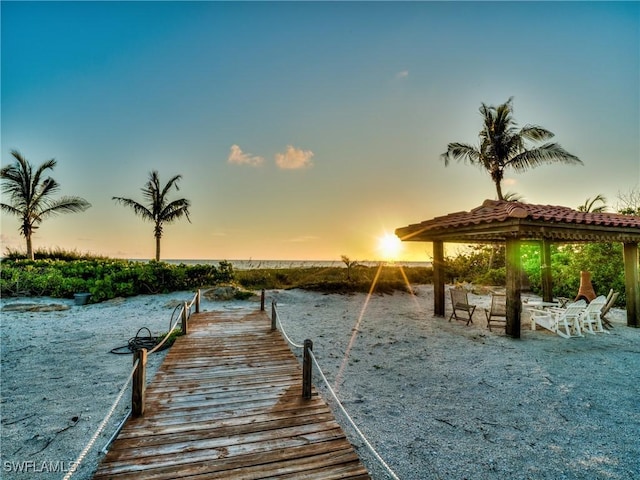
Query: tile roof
[{"x": 493, "y": 212}]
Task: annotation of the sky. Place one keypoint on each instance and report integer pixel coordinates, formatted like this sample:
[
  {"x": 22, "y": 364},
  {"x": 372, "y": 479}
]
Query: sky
[{"x": 307, "y": 130}]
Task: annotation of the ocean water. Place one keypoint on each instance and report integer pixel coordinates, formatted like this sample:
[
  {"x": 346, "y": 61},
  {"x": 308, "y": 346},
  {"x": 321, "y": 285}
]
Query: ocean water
[{"x": 251, "y": 264}]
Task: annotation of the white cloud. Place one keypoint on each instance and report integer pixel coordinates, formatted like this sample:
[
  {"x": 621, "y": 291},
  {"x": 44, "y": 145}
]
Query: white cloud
[
  {"x": 294, "y": 158},
  {"x": 402, "y": 74},
  {"x": 238, "y": 157}
]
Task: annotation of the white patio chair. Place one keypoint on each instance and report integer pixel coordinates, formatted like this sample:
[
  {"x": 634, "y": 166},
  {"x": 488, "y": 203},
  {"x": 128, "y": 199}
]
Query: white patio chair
[
  {"x": 562, "y": 321},
  {"x": 590, "y": 320}
]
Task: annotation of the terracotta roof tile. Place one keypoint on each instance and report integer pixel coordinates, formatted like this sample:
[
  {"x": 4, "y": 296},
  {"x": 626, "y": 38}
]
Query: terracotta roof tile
[{"x": 499, "y": 211}]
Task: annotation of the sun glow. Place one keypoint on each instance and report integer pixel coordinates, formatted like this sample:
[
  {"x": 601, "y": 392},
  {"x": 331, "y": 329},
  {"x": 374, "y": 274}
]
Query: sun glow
[{"x": 389, "y": 247}]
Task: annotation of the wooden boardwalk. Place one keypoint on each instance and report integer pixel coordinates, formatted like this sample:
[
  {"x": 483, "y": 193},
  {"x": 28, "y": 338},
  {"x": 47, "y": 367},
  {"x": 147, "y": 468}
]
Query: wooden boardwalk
[{"x": 226, "y": 403}]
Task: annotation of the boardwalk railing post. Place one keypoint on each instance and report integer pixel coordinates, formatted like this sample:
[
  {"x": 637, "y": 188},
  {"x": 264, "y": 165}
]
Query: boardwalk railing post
[
  {"x": 262, "y": 301},
  {"x": 139, "y": 384},
  {"x": 185, "y": 319},
  {"x": 306, "y": 370},
  {"x": 274, "y": 315},
  {"x": 198, "y": 301}
]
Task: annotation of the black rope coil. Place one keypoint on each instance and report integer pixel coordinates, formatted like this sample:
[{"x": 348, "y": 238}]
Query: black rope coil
[{"x": 145, "y": 341}]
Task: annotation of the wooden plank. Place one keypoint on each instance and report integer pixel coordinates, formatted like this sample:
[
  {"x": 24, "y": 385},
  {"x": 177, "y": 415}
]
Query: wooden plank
[
  {"x": 227, "y": 403},
  {"x": 208, "y": 467}
]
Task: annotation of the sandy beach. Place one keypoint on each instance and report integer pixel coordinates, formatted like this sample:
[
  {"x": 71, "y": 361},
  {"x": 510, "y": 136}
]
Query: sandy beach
[{"x": 437, "y": 399}]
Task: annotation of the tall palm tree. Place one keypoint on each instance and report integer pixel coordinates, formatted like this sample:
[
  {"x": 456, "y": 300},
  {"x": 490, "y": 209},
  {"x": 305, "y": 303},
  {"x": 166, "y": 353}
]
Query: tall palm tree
[
  {"x": 158, "y": 209},
  {"x": 30, "y": 195},
  {"x": 589, "y": 204},
  {"x": 502, "y": 145}
]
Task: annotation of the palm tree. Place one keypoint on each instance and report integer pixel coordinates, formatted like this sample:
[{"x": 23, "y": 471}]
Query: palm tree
[
  {"x": 589, "y": 205},
  {"x": 158, "y": 209},
  {"x": 30, "y": 195},
  {"x": 350, "y": 264},
  {"x": 502, "y": 145}
]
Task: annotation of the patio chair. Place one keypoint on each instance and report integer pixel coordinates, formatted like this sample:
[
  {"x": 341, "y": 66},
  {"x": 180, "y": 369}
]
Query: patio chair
[
  {"x": 460, "y": 304},
  {"x": 564, "y": 322},
  {"x": 590, "y": 321},
  {"x": 498, "y": 311},
  {"x": 611, "y": 300}
]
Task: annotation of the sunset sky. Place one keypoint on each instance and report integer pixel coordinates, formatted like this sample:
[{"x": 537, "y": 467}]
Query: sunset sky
[{"x": 307, "y": 130}]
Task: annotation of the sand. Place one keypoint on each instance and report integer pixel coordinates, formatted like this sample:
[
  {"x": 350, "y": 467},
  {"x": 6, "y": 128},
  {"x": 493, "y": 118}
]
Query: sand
[{"x": 436, "y": 399}]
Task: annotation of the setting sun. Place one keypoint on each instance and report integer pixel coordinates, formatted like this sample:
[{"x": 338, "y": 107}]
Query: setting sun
[{"x": 389, "y": 246}]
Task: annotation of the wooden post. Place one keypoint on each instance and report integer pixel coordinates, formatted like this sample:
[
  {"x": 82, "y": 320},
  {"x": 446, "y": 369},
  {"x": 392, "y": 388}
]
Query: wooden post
[
  {"x": 632, "y": 290},
  {"x": 438, "y": 278},
  {"x": 273, "y": 315},
  {"x": 185, "y": 319},
  {"x": 139, "y": 385},
  {"x": 545, "y": 271},
  {"x": 306, "y": 370},
  {"x": 262, "y": 301},
  {"x": 514, "y": 273},
  {"x": 198, "y": 301}
]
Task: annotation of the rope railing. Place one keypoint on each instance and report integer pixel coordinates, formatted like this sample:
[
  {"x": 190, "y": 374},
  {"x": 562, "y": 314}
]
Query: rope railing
[
  {"x": 83, "y": 454},
  {"x": 185, "y": 310},
  {"x": 277, "y": 320},
  {"x": 350, "y": 420},
  {"x": 308, "y": 353},
  {"x": 138, "y": 375}
]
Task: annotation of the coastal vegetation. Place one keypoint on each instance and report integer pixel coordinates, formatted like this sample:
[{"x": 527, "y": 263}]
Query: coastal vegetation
[
  {"x": 30, "y": 195},
  {"x": 60, "y": 273},
  {"x": 158, "y": 208},
  {"x": 503, "y": 145},
  {"x": 104, "y": 278}
]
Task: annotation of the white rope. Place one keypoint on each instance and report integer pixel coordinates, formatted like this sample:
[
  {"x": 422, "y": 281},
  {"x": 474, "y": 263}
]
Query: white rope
[
  {"x": 76, "y": 464},
  {"x": 173, "y": 327},
  {"x": 193, "y": 300},
  {"x": 282, "y": 330},
  {"x": 355, "y": 427}
]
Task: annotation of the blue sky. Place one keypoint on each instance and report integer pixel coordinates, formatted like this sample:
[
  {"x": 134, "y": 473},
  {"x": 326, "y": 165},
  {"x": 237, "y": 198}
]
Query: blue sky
[{"x": 307, "y": 130}]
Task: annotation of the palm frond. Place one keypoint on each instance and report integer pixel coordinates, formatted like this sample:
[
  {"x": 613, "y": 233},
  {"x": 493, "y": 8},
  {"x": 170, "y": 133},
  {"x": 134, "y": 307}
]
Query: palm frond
[
  {"x": 175, "y": 210},
  {"x": 9, "y": 209},
  {"x": 536, "y": 133},
  {"x": 461, "y": 151},
  {"x": 589, "y": 204},
  {"x": 66, "y": 204},
  {"x": 173, "y": 182},
  {"x": 545, "y": 154},
  {"x": 138, "y": 208}
]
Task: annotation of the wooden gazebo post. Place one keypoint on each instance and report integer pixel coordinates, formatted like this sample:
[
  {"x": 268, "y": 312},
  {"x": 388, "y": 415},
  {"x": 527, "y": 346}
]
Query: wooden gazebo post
[
  {"x": 632, "y": 288},
  {"x": 438, "y": 278},
  {"x": 513, "y": 280},
  {"x": 545, "y": 271}
]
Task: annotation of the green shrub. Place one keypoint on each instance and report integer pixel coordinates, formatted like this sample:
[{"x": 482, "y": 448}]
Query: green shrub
[{"x": 105, "y": 278}]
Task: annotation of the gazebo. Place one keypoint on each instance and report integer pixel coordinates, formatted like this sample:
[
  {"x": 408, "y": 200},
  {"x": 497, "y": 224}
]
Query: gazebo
[{"x": 514, "y": 222}]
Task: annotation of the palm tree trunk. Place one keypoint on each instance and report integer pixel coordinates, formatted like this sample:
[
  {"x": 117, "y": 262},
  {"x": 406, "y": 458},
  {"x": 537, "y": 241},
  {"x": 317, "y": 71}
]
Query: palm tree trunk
[
  {"x": 30, "y": 254},
  {"x": 157, "y": 248},
  {"x": 499, "y": 189}
]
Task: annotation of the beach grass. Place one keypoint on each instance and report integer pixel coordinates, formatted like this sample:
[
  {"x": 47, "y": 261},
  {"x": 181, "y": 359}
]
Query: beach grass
[{"x": 379, "y": 279}]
